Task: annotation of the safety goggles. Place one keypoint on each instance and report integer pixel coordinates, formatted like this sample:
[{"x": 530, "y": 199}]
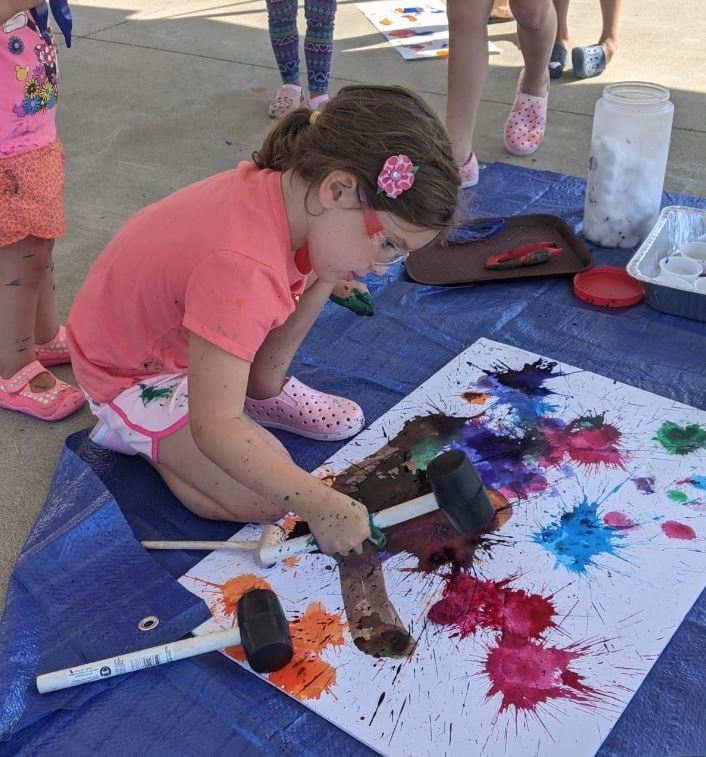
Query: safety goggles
[{"x": 389, "y": 251}]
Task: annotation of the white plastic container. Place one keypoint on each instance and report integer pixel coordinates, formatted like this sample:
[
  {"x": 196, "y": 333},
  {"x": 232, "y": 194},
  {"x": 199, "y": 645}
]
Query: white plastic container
[{"x": 632, "y": 126}]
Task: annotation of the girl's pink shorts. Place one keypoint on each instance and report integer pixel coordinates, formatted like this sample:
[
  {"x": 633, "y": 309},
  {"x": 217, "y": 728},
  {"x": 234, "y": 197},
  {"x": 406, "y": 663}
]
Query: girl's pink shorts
[
  {"x": 147, "y": 412},
  {"x": 32, "y": 195}
]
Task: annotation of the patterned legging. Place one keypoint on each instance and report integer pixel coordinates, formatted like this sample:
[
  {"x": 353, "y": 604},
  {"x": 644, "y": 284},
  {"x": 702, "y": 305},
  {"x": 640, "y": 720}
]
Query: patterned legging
[{"x": 318, "y": 42}]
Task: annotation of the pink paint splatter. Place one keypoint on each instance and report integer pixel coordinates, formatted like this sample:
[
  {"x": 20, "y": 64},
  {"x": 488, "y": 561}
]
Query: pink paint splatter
[
  {"x": 526, "y": 673},
  {"x": 619, "y": 520},
  {"x": 675, "y": 530}
]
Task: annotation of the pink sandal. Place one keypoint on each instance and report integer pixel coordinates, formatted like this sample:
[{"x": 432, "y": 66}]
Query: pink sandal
[
  {"x": 48, "y": 405},
  {"x": 524, "y": 128},
  {"x": 302, "y": 410},
  {"x": 288, "y": 97},
  {"x": 55, "y": 351},
  {"x": 469, "y": 172}
]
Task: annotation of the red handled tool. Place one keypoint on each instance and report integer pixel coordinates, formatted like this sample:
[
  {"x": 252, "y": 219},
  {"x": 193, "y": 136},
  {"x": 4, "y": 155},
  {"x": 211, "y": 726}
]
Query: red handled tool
[{"x": 529, "y": 254}]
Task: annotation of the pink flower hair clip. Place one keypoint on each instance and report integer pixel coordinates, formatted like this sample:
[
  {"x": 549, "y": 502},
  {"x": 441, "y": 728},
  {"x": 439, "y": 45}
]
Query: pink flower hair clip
[{"x": 397, "y": 176}]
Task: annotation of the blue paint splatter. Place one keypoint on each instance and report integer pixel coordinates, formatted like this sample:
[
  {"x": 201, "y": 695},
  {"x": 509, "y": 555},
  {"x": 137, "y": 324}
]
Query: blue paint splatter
[
  {"x": 698, "y": 481},
  {"x": 578, "y": 537}
]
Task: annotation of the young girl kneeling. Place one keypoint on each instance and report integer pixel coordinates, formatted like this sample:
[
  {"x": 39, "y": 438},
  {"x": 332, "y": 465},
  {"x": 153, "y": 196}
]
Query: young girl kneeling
[{"x": 184, "y": 329}]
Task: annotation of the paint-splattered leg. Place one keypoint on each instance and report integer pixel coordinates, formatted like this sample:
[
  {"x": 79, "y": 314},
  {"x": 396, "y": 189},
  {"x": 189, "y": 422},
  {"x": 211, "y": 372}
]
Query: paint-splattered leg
[
  {"x": 23, "y": 270},
  {"x": 374, "y": 624},
  {"x": 202, "y": 487},
  {"x": 47, "y": 320}
]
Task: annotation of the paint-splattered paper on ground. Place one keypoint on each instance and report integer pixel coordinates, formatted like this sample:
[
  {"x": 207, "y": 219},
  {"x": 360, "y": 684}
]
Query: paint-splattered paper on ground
[
  {"x": 415, "y": 31},
  {"x": 531, "y": 637}
]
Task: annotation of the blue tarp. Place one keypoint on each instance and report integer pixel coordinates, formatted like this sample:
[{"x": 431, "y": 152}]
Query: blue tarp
[{"x": 82, "y": 581}]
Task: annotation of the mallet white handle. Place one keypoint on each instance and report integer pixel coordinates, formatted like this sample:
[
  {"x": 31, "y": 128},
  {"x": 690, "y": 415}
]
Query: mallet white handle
[
  {"x": 270, "y": 554},
  {"x": 247, "y": 544},
  {"x": 132, "y": 661}
]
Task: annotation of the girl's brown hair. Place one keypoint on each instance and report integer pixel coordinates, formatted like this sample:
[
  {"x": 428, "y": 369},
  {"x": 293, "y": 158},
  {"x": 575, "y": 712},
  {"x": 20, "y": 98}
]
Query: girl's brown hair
[{"x": 357, "y": 131}]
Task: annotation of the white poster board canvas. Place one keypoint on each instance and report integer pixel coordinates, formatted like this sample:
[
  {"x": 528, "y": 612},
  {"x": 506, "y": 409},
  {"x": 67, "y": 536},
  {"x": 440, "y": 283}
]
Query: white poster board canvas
[{"x": 531, "y": 637}]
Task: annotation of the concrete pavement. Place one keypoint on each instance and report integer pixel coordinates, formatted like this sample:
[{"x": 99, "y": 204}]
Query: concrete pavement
[{"x": 155, "y": 95}]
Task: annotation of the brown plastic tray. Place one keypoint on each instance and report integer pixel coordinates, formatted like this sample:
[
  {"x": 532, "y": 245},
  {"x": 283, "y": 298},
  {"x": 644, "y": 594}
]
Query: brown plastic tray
[{"x": 465, "y": 263}]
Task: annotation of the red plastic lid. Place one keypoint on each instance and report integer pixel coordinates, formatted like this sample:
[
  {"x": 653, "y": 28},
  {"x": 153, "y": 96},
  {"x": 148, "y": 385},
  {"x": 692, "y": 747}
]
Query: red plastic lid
[{"x": 608, "y": 286}]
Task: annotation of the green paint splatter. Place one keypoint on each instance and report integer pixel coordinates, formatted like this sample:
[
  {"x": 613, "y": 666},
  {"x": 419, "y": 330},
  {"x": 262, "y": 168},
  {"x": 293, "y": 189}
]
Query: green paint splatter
[
  {"x": 681, "y": 440},
  {"x": 423, "y": 452},
  {"x": 151, "y": 393},
  {"x": 676, "y": 496}
]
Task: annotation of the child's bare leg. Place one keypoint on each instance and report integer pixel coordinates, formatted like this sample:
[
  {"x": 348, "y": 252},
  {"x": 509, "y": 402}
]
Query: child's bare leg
[
  {"x": 467, "y": 70},
  {"x": 610, "y": 12},
  {"x": 536, "y": 31},
  {"x": 25, "y": 269},
  {"x": 269, "y": 368},
  {"x": 562, "y": 23},
  {"x": 206, "y": 490}
]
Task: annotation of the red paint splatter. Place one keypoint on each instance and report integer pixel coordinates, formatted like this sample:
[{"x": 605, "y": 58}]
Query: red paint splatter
[
  {"x": 521, "y": 666},
  {"x": 588, "y": 440},
  {"x": 675, "y": 530},
  {"x": 526, "y": 673},
  {"x": 470, "y": 603},
  {"x": 619, "y": 520}
]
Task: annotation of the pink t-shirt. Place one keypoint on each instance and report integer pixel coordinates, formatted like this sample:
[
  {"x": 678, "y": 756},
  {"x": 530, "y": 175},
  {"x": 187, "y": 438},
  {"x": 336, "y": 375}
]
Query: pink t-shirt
[
  {"x": 28, "y": 87},
  {"x": 214, "y": 258}
]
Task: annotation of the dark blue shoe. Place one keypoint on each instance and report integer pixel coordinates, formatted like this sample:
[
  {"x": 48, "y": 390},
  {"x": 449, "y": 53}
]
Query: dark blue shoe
[
  {"x": 557, "y": 61},
  {"x": 588, "y": 61}
]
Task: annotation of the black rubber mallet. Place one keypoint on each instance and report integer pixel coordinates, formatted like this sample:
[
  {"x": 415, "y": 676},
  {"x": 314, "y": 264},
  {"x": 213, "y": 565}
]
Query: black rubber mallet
[
  {"x": 457, "y": 490},
  {"x": 262, "y": 630}
]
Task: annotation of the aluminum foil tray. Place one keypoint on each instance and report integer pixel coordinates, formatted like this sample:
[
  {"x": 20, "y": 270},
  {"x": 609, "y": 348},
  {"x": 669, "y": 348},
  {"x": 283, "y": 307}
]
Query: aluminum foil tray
[{"x": 675, "y": 226}]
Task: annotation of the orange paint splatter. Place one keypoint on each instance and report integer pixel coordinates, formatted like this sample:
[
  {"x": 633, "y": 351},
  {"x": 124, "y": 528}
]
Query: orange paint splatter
[
  {"x": 473, "y": 398},
  {"x": 307, "y": 676},
  {"x": 317, "y": 629},
  {"x": 288, "y": 523},
  {"x": 226, "y": 603}
]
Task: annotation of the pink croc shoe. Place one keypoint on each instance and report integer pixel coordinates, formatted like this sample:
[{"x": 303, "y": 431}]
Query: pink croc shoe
[
  {"x": 524, "y": 128},
  {"x": 302, "y": 410},
  {"x": 48, "y": 405},
  {"x": 287, "y": 98},
  {"x": 55, "y": 351}
]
